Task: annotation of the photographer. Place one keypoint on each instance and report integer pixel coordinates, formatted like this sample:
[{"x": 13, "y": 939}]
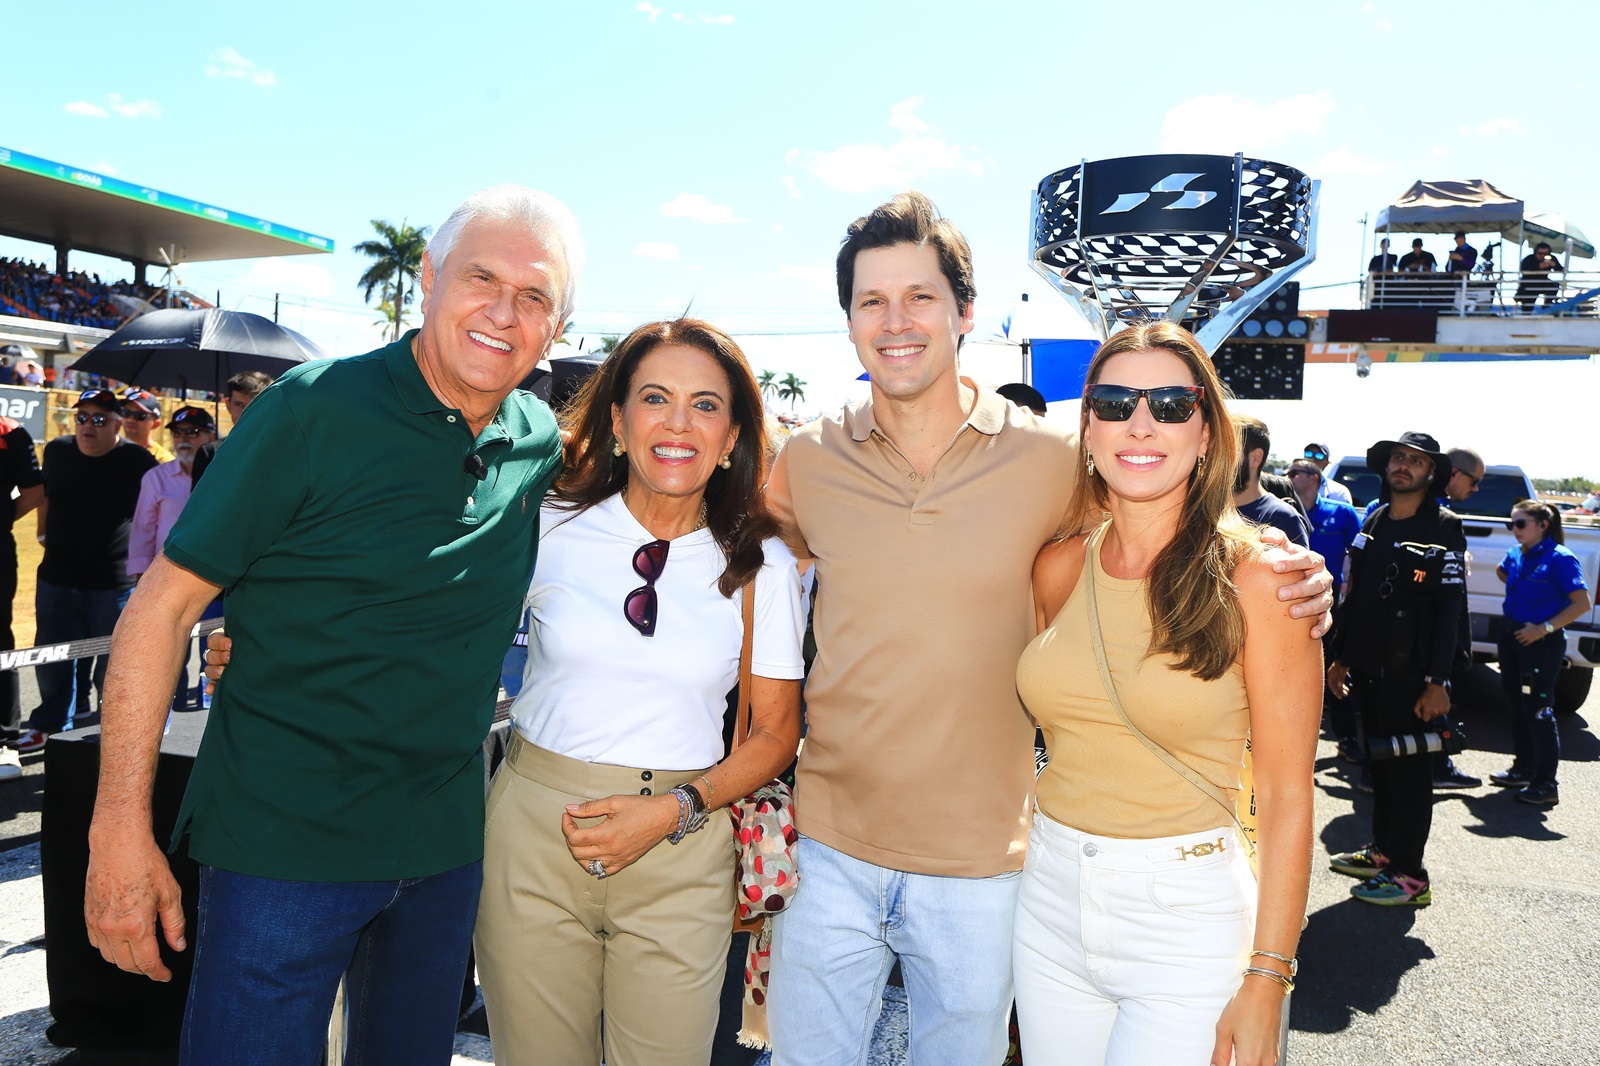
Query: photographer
[
  {"x": 1535, "y": 281},
  {"x": 1395, "y": 640}
]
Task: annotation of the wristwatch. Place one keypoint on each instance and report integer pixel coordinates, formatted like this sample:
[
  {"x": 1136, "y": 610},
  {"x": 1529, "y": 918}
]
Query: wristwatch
[
  {"x": 1442, "y": 682},
  {"x": 1548, "y": 628}
]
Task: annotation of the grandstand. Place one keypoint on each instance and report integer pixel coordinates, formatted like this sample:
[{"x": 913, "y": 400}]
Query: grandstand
[{"x": 62, "y": 313}]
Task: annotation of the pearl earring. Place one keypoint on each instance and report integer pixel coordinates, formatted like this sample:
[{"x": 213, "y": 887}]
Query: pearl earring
[
  {"x": 727, "y": 462},
  {"x": 616, "y": 448}
]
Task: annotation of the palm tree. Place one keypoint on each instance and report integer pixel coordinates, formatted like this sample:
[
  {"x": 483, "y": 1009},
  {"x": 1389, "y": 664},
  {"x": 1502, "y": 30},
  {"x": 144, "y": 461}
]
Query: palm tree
[
  {"x": 397, "y": 257},
  {"x": 792, "y": 389},
  {"x": 768, "y": 380},
  {"x": 608, "y": 343}
]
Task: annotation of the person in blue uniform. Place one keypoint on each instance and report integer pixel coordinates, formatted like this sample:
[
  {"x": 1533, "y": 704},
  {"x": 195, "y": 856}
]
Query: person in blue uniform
[{"x": 1545, "y": 591}]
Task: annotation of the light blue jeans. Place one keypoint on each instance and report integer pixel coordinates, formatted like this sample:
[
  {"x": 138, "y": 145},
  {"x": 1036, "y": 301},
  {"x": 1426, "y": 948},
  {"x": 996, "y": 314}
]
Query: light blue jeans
[{"x": 832, "y": 951}]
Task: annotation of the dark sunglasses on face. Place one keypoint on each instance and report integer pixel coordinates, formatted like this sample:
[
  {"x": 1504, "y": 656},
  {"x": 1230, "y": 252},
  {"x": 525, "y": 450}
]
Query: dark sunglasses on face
[
  {"x": 1318, "y": 454},
  {"x": 1169, "y": 403},
  {"x": 1520, "y": 523},
  {"x": 191, "y": 432},
  {"x": 639, "y": 606},
  {"x": 138, "y": 416},
  {"x": 1302, "y": 473},
  {"x": 97, "y": 420}
]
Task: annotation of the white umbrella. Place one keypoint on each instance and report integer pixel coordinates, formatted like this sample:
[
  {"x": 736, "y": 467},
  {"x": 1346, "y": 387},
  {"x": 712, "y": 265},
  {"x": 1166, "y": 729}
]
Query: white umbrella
[{"x": 1554, "y": 230}]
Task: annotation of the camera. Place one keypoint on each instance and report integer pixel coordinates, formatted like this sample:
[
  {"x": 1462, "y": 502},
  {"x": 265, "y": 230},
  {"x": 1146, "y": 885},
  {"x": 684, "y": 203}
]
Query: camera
[
  {"x": 1446, "y": 737},
  {"x": 1363, "y": 365}
]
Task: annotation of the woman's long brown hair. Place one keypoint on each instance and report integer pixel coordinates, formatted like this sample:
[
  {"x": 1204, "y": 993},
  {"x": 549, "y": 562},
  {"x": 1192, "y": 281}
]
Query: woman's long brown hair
[
  {"x": 1194, "y": 604},
  {"x": 736, "y": 513}
]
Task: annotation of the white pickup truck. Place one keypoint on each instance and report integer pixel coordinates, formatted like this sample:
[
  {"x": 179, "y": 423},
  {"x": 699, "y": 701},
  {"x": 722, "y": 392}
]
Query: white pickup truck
[{"x": 1483, "y": 517}]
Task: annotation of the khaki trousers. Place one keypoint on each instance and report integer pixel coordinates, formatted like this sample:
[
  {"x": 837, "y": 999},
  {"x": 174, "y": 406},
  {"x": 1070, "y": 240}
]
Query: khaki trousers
[{"x": 559, "y": 950}]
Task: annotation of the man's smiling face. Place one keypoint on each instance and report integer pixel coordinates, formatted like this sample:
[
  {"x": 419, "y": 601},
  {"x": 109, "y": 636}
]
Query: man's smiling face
[{"x": 904, "y": 319}]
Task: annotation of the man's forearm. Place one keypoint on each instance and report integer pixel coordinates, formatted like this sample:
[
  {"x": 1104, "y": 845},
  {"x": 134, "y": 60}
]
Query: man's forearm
[{"x": 147, "y": 651}]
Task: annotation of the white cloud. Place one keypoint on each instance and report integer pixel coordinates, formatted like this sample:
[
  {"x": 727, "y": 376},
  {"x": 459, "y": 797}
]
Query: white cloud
[
  {"x": 1342, "y": 161},
  {"x": 108, "y": 169},
  {"x": 288, "y": 276},
  {"x": 656, "y": 250},
  {"x": 859, "y": 167},
  {"x": 1222, "y": 122},
  {"x": 1367, "y": 7},
  {"x": 134, "y": 108},
  {"x": 697, "y": 207},
  {"x": 651, "y": 11},
  {"x": 1385, "y": 25},
  {"x": 902, "y": 116},
  {"x": 709, "y": 20},
  {"x": 86, "y": 109},
  {"x": 788, "y": 181},
  {"x": 1438, "y": 150},
  {"x": 228, "y": 63},
  {"x": 1496, "y": 126}
]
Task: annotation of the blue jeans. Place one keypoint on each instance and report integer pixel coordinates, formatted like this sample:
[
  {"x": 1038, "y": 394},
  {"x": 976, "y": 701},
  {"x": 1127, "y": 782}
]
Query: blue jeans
[
  {"x": 268, "y": 956},
  {"x": 832, "y": 951},
  {"x": 65, "y": 614},
  {"x": 1528, "y": 675}
]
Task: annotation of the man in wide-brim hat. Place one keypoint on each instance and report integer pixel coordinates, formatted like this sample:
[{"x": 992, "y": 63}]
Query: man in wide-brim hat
[{"x": 1378, "y": 461}]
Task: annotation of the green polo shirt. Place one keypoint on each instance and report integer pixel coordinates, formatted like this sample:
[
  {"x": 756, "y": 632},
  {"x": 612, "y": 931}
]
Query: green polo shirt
[{"x": 374, "y": 586}]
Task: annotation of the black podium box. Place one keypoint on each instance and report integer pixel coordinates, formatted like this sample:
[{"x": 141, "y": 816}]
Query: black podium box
[{"x": 96, "y": 1005}]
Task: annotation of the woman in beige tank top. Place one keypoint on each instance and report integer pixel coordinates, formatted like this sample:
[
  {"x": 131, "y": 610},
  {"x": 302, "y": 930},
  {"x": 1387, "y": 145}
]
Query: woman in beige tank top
[{"x": 1141, "y": 933}]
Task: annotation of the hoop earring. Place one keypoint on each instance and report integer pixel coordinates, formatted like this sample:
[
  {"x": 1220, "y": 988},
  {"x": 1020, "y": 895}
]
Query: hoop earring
[
  {"x": 616, "y": 448},
  {"x": 1091, "y": 463},
  {"x": 727, "y": 462}
]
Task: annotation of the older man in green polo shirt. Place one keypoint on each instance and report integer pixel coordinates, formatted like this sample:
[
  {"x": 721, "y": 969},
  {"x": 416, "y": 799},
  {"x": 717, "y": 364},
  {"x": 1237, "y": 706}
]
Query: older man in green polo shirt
[{"x": 375, "y": 523}]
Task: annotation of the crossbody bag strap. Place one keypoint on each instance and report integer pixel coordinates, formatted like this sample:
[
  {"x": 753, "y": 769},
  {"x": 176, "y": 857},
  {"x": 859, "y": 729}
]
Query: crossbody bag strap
[
  {"x": 1178, "y": 766},
  {"x": 741, "y": 720}
]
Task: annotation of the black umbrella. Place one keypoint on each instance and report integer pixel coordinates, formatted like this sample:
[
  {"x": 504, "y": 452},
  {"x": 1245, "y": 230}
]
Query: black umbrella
[{"x": 179, "y": 349}]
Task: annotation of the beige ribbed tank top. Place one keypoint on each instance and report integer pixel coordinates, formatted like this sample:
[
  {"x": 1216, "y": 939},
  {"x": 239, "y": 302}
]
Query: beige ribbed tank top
[{"x": 1101, "y": 779}]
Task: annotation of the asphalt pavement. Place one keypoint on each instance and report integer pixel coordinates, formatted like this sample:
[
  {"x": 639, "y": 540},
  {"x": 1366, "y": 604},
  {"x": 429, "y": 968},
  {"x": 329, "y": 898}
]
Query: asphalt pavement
[{"x": 1504, "y": 967}]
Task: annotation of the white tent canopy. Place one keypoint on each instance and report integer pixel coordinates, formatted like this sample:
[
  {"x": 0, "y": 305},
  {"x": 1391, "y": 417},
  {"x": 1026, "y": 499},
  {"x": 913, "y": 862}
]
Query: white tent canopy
[{"x": 1448, "y": 206}]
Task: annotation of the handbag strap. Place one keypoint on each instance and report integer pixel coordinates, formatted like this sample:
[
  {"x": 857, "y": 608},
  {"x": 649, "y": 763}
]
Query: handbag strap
[
  {"x": 1091, "y": 556},
  {"x": 741, "y": 720}
]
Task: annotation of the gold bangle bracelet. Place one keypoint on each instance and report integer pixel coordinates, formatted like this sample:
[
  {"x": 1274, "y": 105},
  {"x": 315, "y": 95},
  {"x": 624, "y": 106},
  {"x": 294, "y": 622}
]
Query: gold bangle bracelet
[
  {"x": 1261, "y": 971},
  {"x": 1293, "y": 964},
  {"x": 711, "y": 790}
]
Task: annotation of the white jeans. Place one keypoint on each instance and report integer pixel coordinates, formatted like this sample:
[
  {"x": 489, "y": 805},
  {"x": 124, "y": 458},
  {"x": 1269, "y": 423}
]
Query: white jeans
[{"x": 1126, "y": 951}]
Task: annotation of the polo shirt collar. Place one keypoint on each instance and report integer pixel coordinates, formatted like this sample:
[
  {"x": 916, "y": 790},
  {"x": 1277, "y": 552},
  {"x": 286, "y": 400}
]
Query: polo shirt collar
[
  {"x": 419, "y": 399},
  {"x": 407, "y": 377},
  {"x": 988, "y": 415}
]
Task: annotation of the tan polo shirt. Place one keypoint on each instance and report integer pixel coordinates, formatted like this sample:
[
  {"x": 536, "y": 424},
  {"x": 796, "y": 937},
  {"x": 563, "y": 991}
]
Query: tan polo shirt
[{"x": 918, "y": 755}]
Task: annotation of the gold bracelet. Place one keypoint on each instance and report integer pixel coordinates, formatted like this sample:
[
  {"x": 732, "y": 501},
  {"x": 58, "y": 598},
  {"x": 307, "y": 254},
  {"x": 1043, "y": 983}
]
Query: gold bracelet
[
  {"x": 711, "y": 790},
  {"x": 1293, "y": 964},
  {"x": 1260, "y": 971}
]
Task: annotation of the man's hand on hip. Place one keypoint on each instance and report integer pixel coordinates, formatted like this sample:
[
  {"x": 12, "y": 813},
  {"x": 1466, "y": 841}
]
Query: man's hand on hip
[{"x": 129, "y": 889}]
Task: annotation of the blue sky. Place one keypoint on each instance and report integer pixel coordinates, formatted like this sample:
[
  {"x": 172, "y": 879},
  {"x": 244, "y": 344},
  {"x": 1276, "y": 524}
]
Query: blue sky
[{"x": 714, "y": 152}]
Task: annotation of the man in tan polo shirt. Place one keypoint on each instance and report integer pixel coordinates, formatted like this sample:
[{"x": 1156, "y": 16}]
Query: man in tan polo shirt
[{"x": 923, "y": 509}]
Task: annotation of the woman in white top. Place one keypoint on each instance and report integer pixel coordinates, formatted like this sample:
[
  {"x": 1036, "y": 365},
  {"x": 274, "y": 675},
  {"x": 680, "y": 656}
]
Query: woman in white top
[{"x": 608, "y": 892}]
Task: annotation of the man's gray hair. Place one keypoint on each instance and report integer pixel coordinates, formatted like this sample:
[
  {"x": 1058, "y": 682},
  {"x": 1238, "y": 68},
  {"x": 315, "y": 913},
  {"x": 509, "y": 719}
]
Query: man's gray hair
[
  {"x": 547, "y": 218},
  {"x": 1465, "y": 459}
]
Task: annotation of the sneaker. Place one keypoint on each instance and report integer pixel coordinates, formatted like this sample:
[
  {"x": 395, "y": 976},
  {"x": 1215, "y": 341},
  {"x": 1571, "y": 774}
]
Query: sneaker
[
  {"x": 10, "y": 764},
  {"x": 1362, "y": 863},
  {"x": 1454, "y": 779},
  {"x": 1512, "y": 778},
  {"x": 1350, "y": 750},
  {"x": 30, "y": 740},
  {"x": 1390, "y": 889},
  {"x": 1544, "y": 794}
]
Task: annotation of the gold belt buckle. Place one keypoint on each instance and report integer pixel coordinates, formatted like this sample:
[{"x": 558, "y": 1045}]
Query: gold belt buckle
[{"x": 1200, "y": 851}]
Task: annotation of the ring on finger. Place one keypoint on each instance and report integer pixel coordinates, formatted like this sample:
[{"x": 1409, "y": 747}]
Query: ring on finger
[{"x": 597, "y": 868}]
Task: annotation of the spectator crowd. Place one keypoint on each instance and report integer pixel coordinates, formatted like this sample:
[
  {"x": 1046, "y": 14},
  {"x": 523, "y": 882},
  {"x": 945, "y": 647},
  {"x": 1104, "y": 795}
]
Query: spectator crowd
[{"x": 32, "y": 290}]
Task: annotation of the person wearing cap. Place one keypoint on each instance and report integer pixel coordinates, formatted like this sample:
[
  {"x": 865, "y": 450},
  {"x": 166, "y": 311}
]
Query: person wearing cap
[
  {"x": 141, "y": 411},
  {"x": 91, "y": 489},
  {"x": 1394, "y": 643},
  {"x": 162, "y": 496},
  {"x": 1321, "y": 455}
]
